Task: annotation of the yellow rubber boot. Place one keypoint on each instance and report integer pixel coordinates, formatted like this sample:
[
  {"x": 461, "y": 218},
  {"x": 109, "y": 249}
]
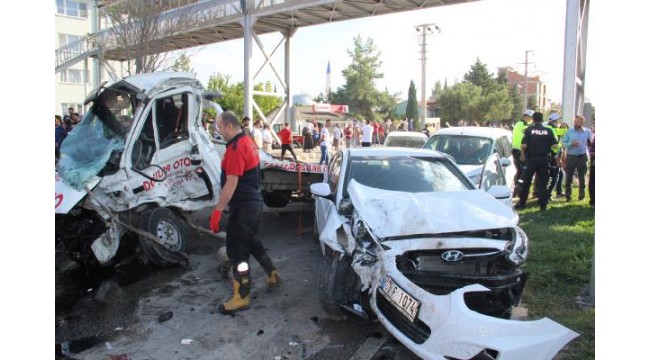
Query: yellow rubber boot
[
  {"x": 273, "y": 280},
  {"x": 241, "y": 293}
]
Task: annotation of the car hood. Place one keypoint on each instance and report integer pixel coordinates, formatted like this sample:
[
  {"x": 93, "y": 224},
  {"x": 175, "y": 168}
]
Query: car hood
[{"x": 392, "y": 213}]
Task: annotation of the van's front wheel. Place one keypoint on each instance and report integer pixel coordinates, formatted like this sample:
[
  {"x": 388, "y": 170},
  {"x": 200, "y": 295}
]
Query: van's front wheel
[{"x": 172, "y": 234}]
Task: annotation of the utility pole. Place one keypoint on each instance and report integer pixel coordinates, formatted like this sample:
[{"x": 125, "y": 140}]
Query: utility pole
[
  {"x": 526, "y": 81},
  {"x": 424, "y": 30}
]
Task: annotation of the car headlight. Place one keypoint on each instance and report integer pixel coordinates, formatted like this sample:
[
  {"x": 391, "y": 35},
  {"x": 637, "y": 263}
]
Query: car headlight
[
  {"x": 519, "y": 252},
  {"x": 360, "y": 230}
]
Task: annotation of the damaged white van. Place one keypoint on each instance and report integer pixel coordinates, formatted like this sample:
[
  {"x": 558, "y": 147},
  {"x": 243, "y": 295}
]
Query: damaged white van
[
  {"x": 406, "y": 237},
  {"x": 137, "y": 160}
]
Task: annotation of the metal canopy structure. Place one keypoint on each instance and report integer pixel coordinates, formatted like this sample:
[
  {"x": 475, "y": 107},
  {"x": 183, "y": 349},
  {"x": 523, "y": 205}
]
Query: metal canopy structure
[
  {"x": 215, "y": 21},
  {"x": 221, "y": 20},
  {"x": 575, "y": 59}
]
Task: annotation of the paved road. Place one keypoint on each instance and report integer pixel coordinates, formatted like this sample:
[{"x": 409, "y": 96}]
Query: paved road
[{"x": 117, "y": 315}]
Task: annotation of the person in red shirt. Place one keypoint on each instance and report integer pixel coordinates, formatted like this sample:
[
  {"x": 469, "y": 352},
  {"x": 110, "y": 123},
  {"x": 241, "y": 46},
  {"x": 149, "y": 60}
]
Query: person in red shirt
[
  {"x": 241, "y": 192},
  {"x": 287, "y": 142},
  {"x": 348, "y": 136}
]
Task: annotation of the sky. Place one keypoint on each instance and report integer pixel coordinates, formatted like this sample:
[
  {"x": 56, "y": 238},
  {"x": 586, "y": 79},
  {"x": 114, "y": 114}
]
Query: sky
[{"x": 498, "y": 32}]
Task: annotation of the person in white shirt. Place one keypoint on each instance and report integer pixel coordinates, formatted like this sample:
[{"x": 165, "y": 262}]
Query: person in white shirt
[
  {"x": 324, "y": 142},
  {"x": 366, "y": 137},
  {"x": 257, "y": 133},
  {"x": 337, "y": 134},
  {"x": 267, "y": 139}
]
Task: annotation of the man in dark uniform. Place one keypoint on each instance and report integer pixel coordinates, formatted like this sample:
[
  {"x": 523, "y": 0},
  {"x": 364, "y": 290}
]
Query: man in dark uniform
[
  {"x": 535, "y": 152},
  {"x": 241, "y": 191}
]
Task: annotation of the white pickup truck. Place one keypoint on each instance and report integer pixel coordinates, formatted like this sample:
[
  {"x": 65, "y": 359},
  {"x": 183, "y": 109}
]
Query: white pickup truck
[{"x": 139, "y": 161}]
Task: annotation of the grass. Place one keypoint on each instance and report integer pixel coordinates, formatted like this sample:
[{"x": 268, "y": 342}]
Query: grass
[{"x": 561, "y": 250}]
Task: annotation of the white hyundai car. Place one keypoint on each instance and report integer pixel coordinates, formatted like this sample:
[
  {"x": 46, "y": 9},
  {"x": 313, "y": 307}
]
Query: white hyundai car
[
  {"x": 408, "y": 239},
  {"x": 472, "y": 145}
]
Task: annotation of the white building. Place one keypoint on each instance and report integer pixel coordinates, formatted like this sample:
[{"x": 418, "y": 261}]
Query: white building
[{"x": 72, "y": 22}]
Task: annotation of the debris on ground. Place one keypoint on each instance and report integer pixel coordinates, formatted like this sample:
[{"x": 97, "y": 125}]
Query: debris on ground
[
  {"x": 186, "y": 341},
  {"x": 165, "y": 316}
]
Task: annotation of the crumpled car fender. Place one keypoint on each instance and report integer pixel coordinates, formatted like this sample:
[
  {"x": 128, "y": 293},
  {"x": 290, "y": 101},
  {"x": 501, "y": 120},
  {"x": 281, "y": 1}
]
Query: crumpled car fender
[
  {"x": 457, "y": 331},
  {"x": 336, "y": 233}
]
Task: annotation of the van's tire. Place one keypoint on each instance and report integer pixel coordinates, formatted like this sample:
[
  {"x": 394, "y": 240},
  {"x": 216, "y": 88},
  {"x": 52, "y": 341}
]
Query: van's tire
[
  {"x": 170, "y": 230},
  {"x": 332, "y": 273},
  {"x": 277, "y": 198},
  {"x": 297, "y": 144}
]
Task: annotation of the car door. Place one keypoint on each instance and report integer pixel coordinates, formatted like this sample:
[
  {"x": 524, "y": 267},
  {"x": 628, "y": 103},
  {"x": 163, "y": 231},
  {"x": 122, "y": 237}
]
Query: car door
[
  {"x": 164, "y": 160},
  {"x": 493, "y": 174},
  {"x": 504, "y": 148},
  {"x": 323, "y": 205}
]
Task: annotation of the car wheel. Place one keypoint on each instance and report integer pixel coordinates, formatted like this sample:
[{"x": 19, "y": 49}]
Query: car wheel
[
  {"x": 170, "y": 230},
  {"x": 297, "y": 144},
  {"x": 332, "y": 273},
  {"x": 276, "y": 199}
]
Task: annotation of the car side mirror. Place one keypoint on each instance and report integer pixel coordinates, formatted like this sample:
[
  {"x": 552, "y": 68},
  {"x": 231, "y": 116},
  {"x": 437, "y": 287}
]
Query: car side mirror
[
  {"x": 499, "y": 192},
  {"x": 321, "y": 189},
  {"x": 505, "y": 162}
]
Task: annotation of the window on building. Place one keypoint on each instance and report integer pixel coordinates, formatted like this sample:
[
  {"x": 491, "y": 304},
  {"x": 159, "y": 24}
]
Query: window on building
[
  {"x": 78, "y": 108},
  {"x": 74, "y": 76},
  {"x": 76, "y": 8},
  {"x": 78, "y": 47}
]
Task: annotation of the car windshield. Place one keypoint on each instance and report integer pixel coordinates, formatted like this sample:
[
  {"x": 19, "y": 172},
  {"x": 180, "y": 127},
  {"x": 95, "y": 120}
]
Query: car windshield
[
  {"x": 466, "y": 150},
  {"x": 89, "y": 145},
  {"x": 406, "y": 141},
  {"x": 406, "y": 173}
]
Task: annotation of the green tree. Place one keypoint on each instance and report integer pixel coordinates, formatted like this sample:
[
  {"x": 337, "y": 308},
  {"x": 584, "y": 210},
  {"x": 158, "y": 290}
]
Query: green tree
[
  {"x": 233, "y": 94},
  {"x": 359, "y": 91},
  {"x": 494, "y": 105},
  {"x": 515, "y": 100},
  {"x": 386, "y": 103},
  {"x": 322, "y": 98},
  {"x": 183, "y": 64},
  {"x": 412, "y": 106},
  {"x": 480, "y": 76},
  {"x": 459, "y": 102},
  {"x": 532, "y": 102},
  {"x": 266, "y": 103}
]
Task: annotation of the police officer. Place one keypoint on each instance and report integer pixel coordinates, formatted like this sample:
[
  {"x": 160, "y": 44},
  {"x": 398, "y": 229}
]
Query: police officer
[
  {"x": 517, "y": 136},
  {"x": 241, "y": 191},
  {"x": 554, "y": 165},
  {"x": 536, "y": 148}
]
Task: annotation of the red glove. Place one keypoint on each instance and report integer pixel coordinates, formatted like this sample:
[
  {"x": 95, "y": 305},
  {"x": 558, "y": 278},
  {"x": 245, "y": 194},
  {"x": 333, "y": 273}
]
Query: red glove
[{"x": 215, "y": 219}]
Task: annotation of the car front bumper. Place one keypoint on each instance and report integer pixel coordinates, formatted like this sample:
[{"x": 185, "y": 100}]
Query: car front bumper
[{"x": 446, "y": 327}]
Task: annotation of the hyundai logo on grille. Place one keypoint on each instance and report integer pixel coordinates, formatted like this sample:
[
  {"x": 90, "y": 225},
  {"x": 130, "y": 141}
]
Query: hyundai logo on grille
[{"x": 452, "y": 256}]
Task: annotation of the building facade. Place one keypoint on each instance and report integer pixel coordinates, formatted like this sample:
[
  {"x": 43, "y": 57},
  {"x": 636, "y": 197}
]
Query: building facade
[
  {"x": 72, "y": 22},
  {"x": 536, "y": 87}
]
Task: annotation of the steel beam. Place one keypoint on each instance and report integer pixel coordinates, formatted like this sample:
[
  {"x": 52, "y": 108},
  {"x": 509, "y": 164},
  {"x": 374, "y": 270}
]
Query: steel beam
[{"x": 575, "y": 56}]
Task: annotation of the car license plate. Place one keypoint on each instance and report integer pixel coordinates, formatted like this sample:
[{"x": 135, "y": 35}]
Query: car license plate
[{"x": 404, "y": 302}]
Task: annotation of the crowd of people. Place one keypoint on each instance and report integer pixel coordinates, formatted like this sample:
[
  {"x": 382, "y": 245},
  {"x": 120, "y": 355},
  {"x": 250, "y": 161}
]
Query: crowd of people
[
  {"x": 62, "y": 127},
  {"x": 552, "y": 154}
]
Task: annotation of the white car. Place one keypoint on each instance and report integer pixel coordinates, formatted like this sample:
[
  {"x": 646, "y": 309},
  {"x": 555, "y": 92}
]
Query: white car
[
  {"x": 409, "y": 139},
  {"x": 471, "y": 146},
  {"x": 408, "y": 239}
]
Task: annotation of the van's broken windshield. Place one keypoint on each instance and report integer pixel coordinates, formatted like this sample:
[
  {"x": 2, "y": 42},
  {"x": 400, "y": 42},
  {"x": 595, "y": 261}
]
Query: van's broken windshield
[{"x": 102, "y": 131}]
